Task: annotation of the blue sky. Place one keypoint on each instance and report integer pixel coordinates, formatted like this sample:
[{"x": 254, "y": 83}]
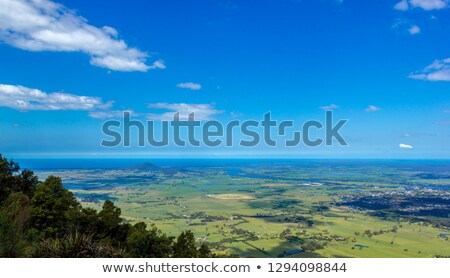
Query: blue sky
[{"x": 68, "y": 66}]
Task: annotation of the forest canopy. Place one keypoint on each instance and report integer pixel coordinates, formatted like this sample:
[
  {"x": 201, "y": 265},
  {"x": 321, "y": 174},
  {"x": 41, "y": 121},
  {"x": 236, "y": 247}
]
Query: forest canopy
[{"x": 42, "y": 219}]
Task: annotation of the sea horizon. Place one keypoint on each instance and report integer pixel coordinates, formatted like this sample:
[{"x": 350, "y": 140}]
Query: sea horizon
[{"x": 123, "y": 162}]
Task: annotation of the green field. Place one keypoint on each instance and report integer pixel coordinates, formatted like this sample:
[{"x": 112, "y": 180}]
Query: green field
[{"x": 282, "y": 210}]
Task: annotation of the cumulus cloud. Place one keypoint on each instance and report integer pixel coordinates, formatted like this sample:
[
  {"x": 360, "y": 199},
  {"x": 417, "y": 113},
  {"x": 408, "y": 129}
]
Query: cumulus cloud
[
  {"x": 202, "y": 112},
  {"x": 405, "y": 146},
  {"x": 414, "y": 30},
  {"x": 26, "y": 99},
  {"x": 190, "y": 86},
  {"x": 427, "y": 5},
  {"x": 329, "y": 107},
  {"x": 43, "y": 25},
  {"x": 439, "y": 70},
  {"x": 402, "y": 5},
  {"x": 372, "y": 108}
]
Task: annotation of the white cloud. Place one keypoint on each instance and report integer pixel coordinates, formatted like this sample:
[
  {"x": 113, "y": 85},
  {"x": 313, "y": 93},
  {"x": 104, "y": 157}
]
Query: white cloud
[
  {"x": 43, "y": 25},
  {"x": 107, "y": 114},
  {"x": 329, "y": 107},
  {"x": 402, "y": 5},
  {"x": 372, "y": 108},
  {"x": 236, "y": 114},
  {"x": 158, "y": 65},
  {"x": 414, "y": 30},
  {"x": 202, "y": 112},
  {"x": 439, "y": 70},
  {"x": 405, "y": 25},
  {"x": 405, "y": 146},
  {"x": 427, "y": 5},
  {"x": 189, "y": 85},
  {"x": 26, "y": 99}
]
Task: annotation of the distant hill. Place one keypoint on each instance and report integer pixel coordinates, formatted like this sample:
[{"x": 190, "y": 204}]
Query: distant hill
[{"x": 145, "y": 167}]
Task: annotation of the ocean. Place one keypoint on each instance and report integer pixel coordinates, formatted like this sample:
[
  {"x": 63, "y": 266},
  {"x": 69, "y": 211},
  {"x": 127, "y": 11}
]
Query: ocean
[{"x": 118, "y": 163}]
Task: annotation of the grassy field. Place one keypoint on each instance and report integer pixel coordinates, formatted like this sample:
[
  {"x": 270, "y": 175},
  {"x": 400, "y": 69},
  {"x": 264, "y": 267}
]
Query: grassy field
[{"x": 271, "y": 211}]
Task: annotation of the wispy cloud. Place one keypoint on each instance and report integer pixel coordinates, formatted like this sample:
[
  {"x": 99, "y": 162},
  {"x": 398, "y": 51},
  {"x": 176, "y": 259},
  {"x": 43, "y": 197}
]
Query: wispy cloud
[
  {"x": 421, "y": 134},
  {"x": 439, "y": 70},
  {"x": 43, "y": 25},
  {"x": 427, "y": 5},
  {"x": 414, "y": 30},
  {"x": 398, "y": 23},
  {"x": 372, "y": 108},
  {"x": 236, "y": 114},
  {"x": 202, "y": 112},
  {"x": 26, "y": 99},
  {"x": 190, "y": 86},
  {"x": 405, "y": 25},
  {"x": 405, "y": 146},
  {"x": 108, "y": 114},
  {"x": 329, "y": 107}
]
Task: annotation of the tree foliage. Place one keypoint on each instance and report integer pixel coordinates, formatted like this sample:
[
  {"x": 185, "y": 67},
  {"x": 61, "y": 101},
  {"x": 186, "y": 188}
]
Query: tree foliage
[
  {"x": 44, "y": 219},
  {"x": 185, "y": 247},
  {"x": 14, "y": 221},
  {"x": 13, "y": 180},
  {"x": 148, "y": 243},
  {"x": 53, "y": 208}
]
